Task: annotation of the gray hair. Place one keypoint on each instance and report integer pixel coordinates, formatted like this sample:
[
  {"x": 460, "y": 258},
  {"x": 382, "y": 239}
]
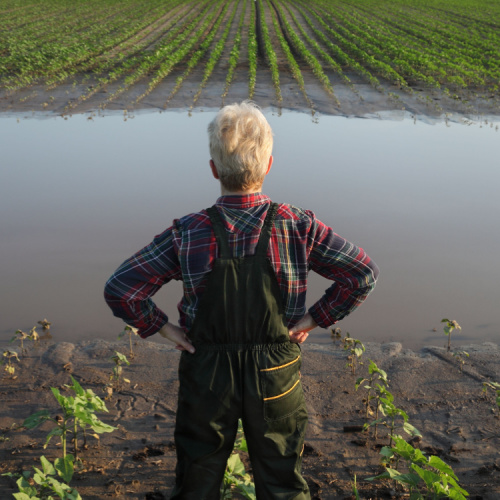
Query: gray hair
[{"x": 241, "y": 142}]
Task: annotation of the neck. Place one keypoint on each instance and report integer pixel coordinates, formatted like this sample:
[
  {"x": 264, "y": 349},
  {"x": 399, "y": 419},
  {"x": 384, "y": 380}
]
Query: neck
[{"x": 226, "y": 192}]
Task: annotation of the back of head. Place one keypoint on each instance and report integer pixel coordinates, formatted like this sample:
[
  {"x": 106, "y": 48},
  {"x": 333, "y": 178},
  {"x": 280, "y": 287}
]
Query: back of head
[{"x": 241, "y": 142}]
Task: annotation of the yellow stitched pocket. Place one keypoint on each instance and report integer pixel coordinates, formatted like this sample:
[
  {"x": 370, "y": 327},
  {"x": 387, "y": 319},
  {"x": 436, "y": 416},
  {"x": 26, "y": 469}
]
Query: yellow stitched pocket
[{"x": 281, "y": 390}]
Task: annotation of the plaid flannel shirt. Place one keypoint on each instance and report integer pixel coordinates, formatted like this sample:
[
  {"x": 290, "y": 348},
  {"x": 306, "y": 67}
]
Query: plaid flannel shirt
[{"x": 187, "y": 250}]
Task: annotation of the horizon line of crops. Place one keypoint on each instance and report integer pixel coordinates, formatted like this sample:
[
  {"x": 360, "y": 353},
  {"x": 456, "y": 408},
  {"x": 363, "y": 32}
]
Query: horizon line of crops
[{"x": 117, "y": 45}]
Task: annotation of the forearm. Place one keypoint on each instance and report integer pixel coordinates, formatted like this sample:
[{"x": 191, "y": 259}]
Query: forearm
[
  {"x": 129, "y": 290},
  {"x": 352, "y": 271}
]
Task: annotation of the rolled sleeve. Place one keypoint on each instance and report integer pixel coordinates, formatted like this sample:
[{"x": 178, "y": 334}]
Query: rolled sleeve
[
  {"x": 352, "y": 271},
  {"x": 129, "y": 290}
]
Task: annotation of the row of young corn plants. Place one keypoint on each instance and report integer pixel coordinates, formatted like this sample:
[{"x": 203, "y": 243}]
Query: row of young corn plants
[
  {"x": 469, "y": 55},
  {"x": 57, "y": 58},
  {"x": 391, "y": 54},
  {"x": 327, "y": 59},
  {"x": 195, "y": 58},
  {"x": 164, "y": 53},
  {"x": 466, "y": 59},
  {"x": 355, "y": 46},
  {"x": 114, "y": 51},
  {"x": 138, "y": 61},
  {"x": 268, "y": 49},
  {"x": 123, "y": 44},
  {"x": 216, "y": 53},
  {"x": 205, "y": 33},
  {"x": 310, "y": 59},
  {"x": 292, "y": 63},
  {"x": 339, "y": 55},
  {"x": 252, "y": 52},
  {"x": 234, "y": 55}
]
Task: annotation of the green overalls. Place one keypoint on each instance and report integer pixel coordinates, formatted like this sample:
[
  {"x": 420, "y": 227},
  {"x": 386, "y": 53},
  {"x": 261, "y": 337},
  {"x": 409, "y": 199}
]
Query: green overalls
[{"x": 244, "y": 367}]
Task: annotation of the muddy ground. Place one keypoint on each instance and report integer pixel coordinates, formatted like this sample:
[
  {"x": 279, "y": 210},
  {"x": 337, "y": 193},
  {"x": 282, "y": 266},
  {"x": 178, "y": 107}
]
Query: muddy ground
[
  {"x": 458, "y": 422},
  {"x": 364, "y": 101}
]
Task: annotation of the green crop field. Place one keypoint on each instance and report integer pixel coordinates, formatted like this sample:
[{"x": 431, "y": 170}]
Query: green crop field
[{"x": 127, "y": 49}]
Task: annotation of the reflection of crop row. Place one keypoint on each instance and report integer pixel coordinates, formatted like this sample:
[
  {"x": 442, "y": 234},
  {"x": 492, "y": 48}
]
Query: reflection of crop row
[{"x": 234, "y": 56}]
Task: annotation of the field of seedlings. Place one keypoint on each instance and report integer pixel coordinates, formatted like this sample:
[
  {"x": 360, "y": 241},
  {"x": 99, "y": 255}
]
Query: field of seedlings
[{"x": 334, "y": 56}]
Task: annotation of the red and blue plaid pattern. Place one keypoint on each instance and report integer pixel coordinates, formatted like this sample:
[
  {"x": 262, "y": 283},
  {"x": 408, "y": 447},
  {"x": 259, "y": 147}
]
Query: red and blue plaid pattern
[{"x": 186, "y": 251}]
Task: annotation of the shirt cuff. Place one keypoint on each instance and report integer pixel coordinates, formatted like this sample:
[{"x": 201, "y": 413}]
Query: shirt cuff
[
  {"x": 154, "y": 327},
  {"x": 321, "y": 316}
]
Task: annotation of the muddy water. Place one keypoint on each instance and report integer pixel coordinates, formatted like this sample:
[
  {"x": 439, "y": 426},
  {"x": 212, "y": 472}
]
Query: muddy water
[{"x": 78, "y": 196}]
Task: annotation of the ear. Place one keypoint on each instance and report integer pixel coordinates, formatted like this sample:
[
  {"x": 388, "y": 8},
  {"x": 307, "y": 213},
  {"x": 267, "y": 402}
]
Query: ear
[
  {"x": 214, "y": 169},
  {"x": 270, "y": 164}
]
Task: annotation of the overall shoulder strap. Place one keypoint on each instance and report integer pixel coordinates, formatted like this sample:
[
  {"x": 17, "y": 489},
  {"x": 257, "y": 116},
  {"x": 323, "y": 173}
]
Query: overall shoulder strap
[
  {"x": 265, "y": 234},
  {"x": 220, "y": 232}
]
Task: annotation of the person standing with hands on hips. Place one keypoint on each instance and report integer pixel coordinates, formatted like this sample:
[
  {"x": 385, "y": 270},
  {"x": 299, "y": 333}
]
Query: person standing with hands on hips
[{"x": 244, "y": 264}]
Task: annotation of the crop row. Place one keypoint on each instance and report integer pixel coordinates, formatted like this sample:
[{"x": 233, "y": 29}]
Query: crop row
[{"x": 118, "y": 46}]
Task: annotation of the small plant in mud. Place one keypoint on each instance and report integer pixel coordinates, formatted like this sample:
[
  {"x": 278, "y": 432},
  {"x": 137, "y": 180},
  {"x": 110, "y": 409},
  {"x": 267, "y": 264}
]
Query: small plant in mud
[
  {"x": 20, "y": 336},
  {"x": 376, "y": 383},
  {"x": 10, "y": 355},
  {"x": 390, "y": 413},
  {"x": 116, "y": 378},
  {"x": 45, "y": 483},
  {"x": 450, "y": 325},
  {"x": 236, "y": 479},
  {"x": 336, "y": 334},
  {"x": 130, "y": 331},
  {"x": 427, "y": 477},
  {"x": 461, "y": 355},
  {"x": 496, "y": 387},
  {"x": 78, "y": 416},
  {"x": 355, "y": 349}
]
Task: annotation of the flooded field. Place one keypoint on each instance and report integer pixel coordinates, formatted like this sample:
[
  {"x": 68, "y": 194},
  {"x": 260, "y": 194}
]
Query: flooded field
[{"x": 79, "y": 195}]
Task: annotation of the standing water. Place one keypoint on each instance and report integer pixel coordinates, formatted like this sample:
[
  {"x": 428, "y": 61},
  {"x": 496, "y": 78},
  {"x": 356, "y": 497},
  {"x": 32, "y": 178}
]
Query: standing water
[{"x": 78, "y": 196}]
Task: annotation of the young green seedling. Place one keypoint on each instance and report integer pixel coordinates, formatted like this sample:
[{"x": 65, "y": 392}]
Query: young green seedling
[
  {"x": 355, "y": 349},
  {"x": 496, "y": 387},
  {"x": 116, "y": 377},
  {"x": 21, "y": 337},
  {"x": 448, "y": 328},
  {"x": 45, "y": 482},
  {"x": 390, "y": 412},
  {"x": 235, "y": 476},
  {"x": 375, "y": 375},
  {"x": 128, "y": 330},
  {"x": 438, "y": 478},
  {"x": 10, "y": 368},
  {"x": 78, "y": 413}
]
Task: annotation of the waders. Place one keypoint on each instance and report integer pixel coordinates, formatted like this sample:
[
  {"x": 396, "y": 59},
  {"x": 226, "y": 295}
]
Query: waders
[{"x": 244, "y": 367}]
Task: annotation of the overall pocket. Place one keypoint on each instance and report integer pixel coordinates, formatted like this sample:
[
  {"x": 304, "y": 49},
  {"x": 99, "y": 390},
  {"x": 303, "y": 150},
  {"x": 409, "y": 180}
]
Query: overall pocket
[{"x": 281, "y": 389}]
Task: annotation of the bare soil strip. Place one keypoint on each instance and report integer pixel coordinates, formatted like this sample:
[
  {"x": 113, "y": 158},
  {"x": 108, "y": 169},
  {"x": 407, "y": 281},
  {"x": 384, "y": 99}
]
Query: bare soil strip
[{"x": 458, "y": 422}]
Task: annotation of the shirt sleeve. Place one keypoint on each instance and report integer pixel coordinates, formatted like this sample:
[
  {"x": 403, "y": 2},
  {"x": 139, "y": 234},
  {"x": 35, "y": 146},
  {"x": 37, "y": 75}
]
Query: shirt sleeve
[
  {"x": 353, "y": 274},
  {"x": 129, "y": 290}
]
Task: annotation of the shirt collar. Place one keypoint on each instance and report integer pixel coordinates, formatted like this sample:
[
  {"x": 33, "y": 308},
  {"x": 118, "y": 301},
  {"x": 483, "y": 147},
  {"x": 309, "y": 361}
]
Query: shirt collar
[{"x": 243, "y": 200}]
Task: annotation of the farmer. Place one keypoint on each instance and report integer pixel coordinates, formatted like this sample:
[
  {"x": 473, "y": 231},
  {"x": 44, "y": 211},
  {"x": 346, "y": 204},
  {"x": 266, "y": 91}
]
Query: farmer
[{"x": 243, "y": 264}]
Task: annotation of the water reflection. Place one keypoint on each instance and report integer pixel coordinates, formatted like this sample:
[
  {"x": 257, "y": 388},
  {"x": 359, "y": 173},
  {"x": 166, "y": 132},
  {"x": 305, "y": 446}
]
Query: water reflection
[{"x": 78, "y": 196}]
